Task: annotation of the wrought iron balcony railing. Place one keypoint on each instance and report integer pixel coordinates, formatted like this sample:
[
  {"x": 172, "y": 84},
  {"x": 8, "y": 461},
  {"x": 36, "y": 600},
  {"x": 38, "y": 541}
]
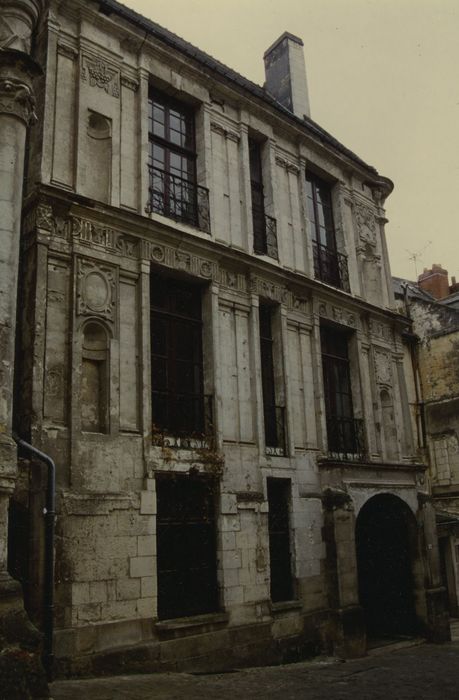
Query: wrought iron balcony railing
[
  {"x": 188, "y": 415},
  {"x": 275, "y": 434},
  {"x": 346, "y": 438},
  {"x": 264, "y": 234},
  {"x": 330, "y": 266},
  {"x": 179, "y": 199}
]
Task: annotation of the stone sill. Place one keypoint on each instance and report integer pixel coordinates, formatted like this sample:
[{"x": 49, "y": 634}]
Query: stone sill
[
  {"x": 191, "y": 625},
  {"x": 286, "y": 606}
]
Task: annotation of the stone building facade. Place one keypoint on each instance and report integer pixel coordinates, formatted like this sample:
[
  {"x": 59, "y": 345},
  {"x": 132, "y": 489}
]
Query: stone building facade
[
  {"x": 209, "y": 349},
  {"x": 431, "y": 306}
]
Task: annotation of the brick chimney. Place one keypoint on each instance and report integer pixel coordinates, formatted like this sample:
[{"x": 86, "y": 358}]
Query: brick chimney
[
  {"x": 285, "y": 72},
  {"x": 435, "y": 281}
]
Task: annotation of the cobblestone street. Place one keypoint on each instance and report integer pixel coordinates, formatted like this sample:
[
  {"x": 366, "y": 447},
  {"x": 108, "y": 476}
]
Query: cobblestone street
[{"x": 426, "y": 671}]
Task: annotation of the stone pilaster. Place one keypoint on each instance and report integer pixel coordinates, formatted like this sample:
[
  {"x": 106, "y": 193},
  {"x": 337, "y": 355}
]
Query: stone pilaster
[{"x": 348, "y": 625}]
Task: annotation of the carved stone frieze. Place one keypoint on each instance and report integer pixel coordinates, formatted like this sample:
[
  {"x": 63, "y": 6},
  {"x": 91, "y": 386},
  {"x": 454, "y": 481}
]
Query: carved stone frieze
[
  {"x": 338, "y": 314},
  {"x": 278, "y": 293},
  {"x": 366, "y": 223},
  {"x": 16, "y": 98},
  {"x": 96, "y": 289},
  {"x": 100, "y": 74},
  {"x": 80, "y": 230},
  {"x": 193, "y": 264}
]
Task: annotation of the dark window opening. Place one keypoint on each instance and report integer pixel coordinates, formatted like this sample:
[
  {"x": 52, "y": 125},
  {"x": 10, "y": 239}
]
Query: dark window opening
[
  {"x": 344, "y": 432},
  {"x": 279, "y": 539},
  {"x": 186, "y": 547},
  {"x": 178, "y": 401},
  {"x": 18, "y": 541},
  {"x": 330, "y": 266},
  {"x": 172, "y": 163},
  {"x": 274, "y": 416},
  {"x": 264, "y": 227}
]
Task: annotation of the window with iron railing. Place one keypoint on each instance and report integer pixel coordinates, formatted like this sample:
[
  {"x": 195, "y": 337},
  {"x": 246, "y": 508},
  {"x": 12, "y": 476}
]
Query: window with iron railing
[
  {"x": 179, "y": 405},
  {"x": 273, "y": 414},
  {"x": 173, "y": 191},
  {"x": 345, "y": 434},
  {"x": 330, "y": 265},
  {"x": 264, "y": 226}
]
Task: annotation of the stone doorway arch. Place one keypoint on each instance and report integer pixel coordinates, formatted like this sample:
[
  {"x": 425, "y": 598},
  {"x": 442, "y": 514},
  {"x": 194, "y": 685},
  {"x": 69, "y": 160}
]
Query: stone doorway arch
[{"x": 386, "y": 548}]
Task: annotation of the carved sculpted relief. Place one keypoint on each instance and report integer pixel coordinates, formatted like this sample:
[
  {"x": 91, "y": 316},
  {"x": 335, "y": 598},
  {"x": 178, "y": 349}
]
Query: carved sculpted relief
[
  {"x": 383, "y": 368},
  {"x": 96, "y": 289},
  {"x": 366, "y": 223},
  {"x": 277, "y": 293},
  {"x": 99, "y": 74},
  {"x": 336, "y": 313},
  {"x": 16, "y": 98}
]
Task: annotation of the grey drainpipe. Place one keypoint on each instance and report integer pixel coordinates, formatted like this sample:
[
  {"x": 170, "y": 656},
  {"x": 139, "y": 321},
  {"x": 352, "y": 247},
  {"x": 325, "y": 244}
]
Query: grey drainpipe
[{"x": 49, "y": 513}]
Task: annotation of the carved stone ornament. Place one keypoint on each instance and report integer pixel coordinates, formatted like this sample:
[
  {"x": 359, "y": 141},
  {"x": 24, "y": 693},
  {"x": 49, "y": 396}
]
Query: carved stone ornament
[
  {"x": 366, "y": 223},
  {"x": 82, "y": 231},
  {"x": 289, "y": 167},
  {"x": 379, "y": 330},
  {"x": 278, "y": 293},
  {"x": 96, "y": 289},
  {"x": 129, "y": 83},
  {"x": 17, "y": 20},
  {"x": 99, "y": 74},
  {"x": 383, "y": 368},
  {"x": 223, "y": 131},
  {"x": 336, "y": 313},
  {"x": 67, "y": 51},
  {"x": 16, "y": 98}
]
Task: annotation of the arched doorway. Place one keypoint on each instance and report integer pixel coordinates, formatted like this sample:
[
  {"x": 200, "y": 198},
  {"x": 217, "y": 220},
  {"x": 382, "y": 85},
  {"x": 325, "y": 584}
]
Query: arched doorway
[{"x": 385, "y": 543}]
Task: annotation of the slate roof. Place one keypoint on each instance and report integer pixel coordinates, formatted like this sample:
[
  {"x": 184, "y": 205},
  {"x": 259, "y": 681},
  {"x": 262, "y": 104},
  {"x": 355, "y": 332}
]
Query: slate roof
[
  {"x": 171, "y": 39},
  {"x": 414, "y": 292}
]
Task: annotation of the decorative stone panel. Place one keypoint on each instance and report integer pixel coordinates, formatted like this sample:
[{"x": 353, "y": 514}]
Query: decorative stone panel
[
  {"x": 98, "y": 73},
  {"x": 366, "y": 223},
  {"x": 383, "y": 369},
  {"x": 96, "y": 289}
]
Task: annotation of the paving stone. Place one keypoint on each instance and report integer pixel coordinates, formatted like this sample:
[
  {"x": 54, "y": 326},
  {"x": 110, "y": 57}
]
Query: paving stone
[{"x": 424, "y": 671}]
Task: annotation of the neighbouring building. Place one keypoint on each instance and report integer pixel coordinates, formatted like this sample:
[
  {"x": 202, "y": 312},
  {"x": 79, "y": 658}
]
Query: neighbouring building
[
  {"x": 208, "y": 346},
  {"x": 432, "y": 305}
]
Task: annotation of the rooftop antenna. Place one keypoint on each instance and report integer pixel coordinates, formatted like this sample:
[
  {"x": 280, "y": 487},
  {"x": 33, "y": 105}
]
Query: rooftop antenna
[{"x": 414, "y": 256}]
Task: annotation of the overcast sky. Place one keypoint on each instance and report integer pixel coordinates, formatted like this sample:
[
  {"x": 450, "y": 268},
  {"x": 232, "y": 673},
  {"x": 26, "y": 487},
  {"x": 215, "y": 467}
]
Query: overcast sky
[{"x": 383, "y": 78}]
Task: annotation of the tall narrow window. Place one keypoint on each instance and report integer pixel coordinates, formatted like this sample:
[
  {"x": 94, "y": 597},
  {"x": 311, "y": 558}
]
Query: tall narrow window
[
  {"x": 178, "y": 403},
  {"x": 273, "y": 414},
  {"x": 264, "y": 226},
  {"x": 186, "y": 538},
  {"x": 345, "y": 434},
  {"x": 279, "y": 539},
  {"x": 258, "y": 205},
  {"x": 330, "y": 266},
  {"x": 173, "y": 189}
]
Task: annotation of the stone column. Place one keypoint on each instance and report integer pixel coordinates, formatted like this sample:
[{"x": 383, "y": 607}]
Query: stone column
[{"x": 17, "y": 71}]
